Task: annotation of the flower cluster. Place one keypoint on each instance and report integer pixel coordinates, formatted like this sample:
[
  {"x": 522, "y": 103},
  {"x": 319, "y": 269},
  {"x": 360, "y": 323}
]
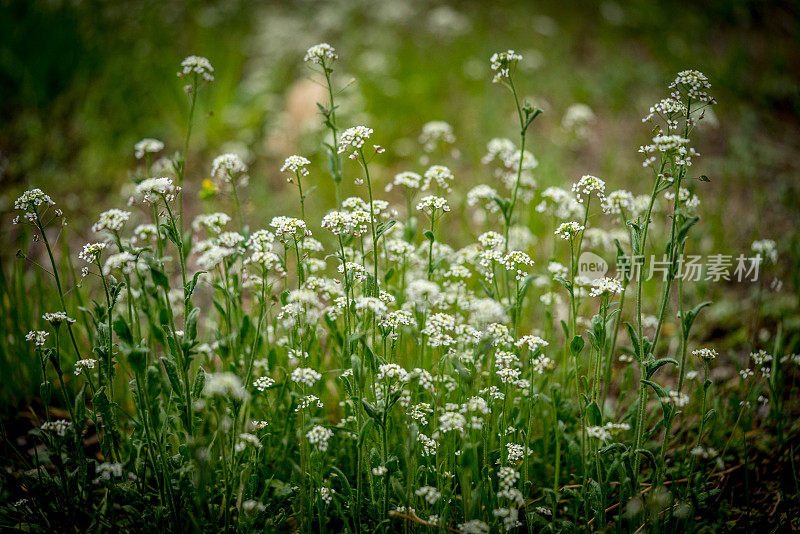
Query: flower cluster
[
  {"x": 431, "y": 203},
  {"x": 305, "y": 376},
  {"x": 321, "y": 54},
  {"x": 434, "y": 133},
  {"x": 147, "y": 146},
  {"x": 295, "y": 164},
  {"x": 705, "y": 354},
  {"x": 57, "y": 318},
  {"x": 228, "y": 168},
  {"x": 82, "y": 365},
  {"x": 111, "y": 221},
  {"x": 91, "y": 252},
  {"x": 502, "y": 63},
  {"x": 58, "y": 427},
  {"x": 587, "y": 185},
  {"x": 150, "y": 190},
  {"x": 354, "y": 138},
  {"x": 569, "y": 230},
  {"x": 319, "y": 436},
  {"x": 197, "y": 65}
]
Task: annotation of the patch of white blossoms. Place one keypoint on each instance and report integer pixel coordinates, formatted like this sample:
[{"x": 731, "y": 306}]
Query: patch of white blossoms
[
  {"x": 587, "y": 185},
  {"x": 197, "y": 65},
  {"x": 226, "y": 168},
  {"x": 150, "y": 190},
  {"x": 318, "y": 436},
  {"x": 295, "y": 164},
  {"x": 502, "y": 63},
  {"x": 354, "y": 138},
  {"x": 321, "y": 54},
  {"x": 305, "y": 376},
  {"x": 431, "y": 203},
  {"x": 111, "y": 220},
  {"x": 569, "y": 230},
  {"x": 147, "y": 146}
]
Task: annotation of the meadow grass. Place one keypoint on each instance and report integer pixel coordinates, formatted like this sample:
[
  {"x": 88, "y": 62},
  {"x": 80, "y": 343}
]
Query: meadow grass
[{"x": 438, "y": 360}]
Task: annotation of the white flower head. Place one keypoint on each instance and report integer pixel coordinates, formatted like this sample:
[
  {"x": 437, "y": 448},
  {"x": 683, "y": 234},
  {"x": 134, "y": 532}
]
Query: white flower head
[
  {"x": 147, "y": 146},
  {"x": 319, "y": 436},
  {"x": 288, "y": 227},
  {"x": 57, "y": 318},
  {"x": 124, "y": 261},
  {"x": 695, "y": 84},
  {"x": 85, "y": 364},
  {"x": 705, "y": 354},
  {"x": 766, "y": 248},
  {"x": 91, "y": 252},
  {"x": 39, "y": 337},
  {"x": 227, "y": 168},
  {"x": 150, "y": 190},
  {"x": 603, "y": 287},
  {"x": 354, "y": 138},
  {"x": 569, "y": 230},
  {"x": 295, "y": 165},
  {"x": 502, "y": 63},
  {"x": 432, "y": 203},
  {"x": 111, "y": 220},
  {"x": 197, "y": 65},
  {"x": 30, "y": 201},
  {"x": 213, "y": 223},
  {"x": 587, "y": 185},
  {"x": 439, "y": 174},
  {"x": 305, "y": 376},
  {"x": 407, "y": 179},
  {"x": 321, "y": 54},
  {"x": 617, "y": 201},
  {"x": 434, "y": 133}
]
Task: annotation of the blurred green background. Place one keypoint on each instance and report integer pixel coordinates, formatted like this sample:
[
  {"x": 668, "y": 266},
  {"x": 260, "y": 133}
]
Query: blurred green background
[{"x": 82, "y": 81}]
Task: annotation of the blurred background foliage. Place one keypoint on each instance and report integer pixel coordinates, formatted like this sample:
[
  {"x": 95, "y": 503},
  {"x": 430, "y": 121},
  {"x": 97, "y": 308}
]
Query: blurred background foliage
[{"x": 82, "y": 81}]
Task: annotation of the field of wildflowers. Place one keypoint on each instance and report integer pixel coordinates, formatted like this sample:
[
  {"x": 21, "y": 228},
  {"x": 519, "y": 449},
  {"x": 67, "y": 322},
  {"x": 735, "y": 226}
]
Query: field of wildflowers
[{"x": 396, "y": 351}]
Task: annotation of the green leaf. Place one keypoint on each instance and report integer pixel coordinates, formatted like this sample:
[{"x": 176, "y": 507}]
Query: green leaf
[
  {"x": 170, "y": 232},
  {"x": 172, "y": 373},
  {"x": 564, "y": 282},
  {"x": 685, "y": 227},
  {"x": 137, "y": 359},
  {"x": 191, "y": 285},
  {"x": 372, "y": 411},
  {"x": 122, "y": 330},
  {"x": 658, "y": 389},
  {"x": 159, "y": 278},
  {"x": 80, "y": 404},
  {"x": 362, "y": 434},
  {"x": 429, "y": 235},
  {"x": 462, "y": 371},
  {"x": 690, "y": 317},
  {"x": 658, "y": 364},
  {"x": 710, "y": 414},
  {"x": 576, "y": 345},
  {"x": 384, "y": 227},
  {"x": 595, "y": 495},
  {"x": 593, "y": 414},
  {"x": 634, "y": 340},
  {"x": 191, "y": 324},
  {"x": 199, "y": 383},
  {"x": 664, "y": 186},
  {"x": 647, "y": 454}
]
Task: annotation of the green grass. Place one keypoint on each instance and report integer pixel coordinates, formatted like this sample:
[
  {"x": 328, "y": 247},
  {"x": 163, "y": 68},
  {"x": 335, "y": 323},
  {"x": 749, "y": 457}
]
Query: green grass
[{"x": 159, "y": 403}]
